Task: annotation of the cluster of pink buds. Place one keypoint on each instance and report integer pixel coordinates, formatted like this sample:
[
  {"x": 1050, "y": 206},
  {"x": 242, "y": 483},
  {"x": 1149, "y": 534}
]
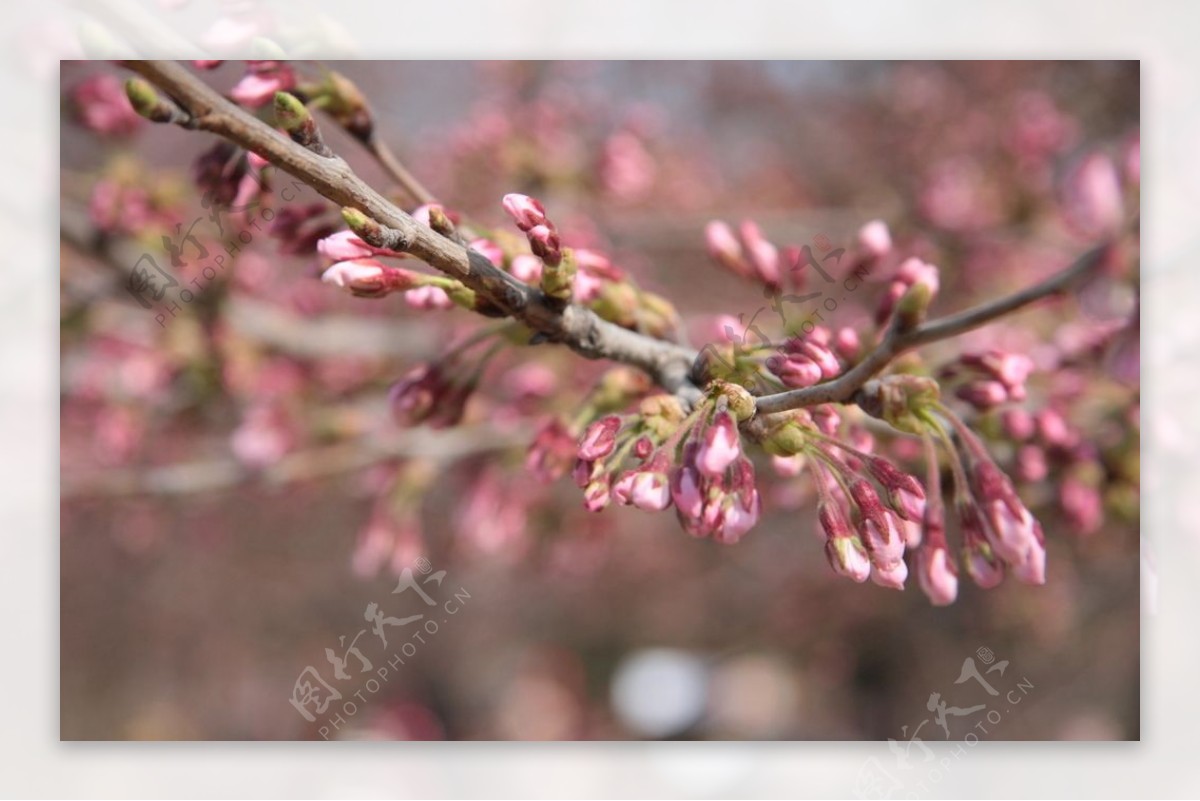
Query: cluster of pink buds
[
  {"x": 695, "y": 463},
  {"x": 809, "y": 359},
  {"x": 530, "y": 216},
  {"x": 991, "y": 378}
]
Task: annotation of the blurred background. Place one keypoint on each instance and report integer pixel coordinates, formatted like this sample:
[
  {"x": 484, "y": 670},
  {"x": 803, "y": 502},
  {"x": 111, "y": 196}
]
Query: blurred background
[{"x": 221, "y": 467}]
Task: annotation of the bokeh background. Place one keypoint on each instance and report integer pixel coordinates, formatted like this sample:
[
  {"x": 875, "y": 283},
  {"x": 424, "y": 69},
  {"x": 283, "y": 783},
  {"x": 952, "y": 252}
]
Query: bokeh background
[{"x": 195, "y": 588}]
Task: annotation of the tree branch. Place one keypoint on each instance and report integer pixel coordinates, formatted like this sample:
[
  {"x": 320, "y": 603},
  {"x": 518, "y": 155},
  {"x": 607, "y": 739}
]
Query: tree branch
[
  {"x": 574, "y": 326},
  {"x": 896, "y": 342}
]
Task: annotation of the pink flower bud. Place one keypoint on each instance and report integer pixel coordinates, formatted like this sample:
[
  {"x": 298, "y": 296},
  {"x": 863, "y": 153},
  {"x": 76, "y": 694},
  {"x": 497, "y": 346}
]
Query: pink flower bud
[
  {"x": 823, "y": 356},
  {"x": 1018, "y": 424},
  {"x": 1032, "y": 569},
  {"x": 584, "y": 471},
  {"x": 544, "y": 243},
  {"x": 526, "y": 212},
  {"x": 686, "y": 493},
  {"x": 875, "y": 238},
  {"x": 586, "y": 287},
  {"x": 428, "y": 298},
  {"x": 741, "y": 515},
  {"x": 1010, "y": 534},
  {"x": 937, "y": 575},
  {"x": 643, "y": 447},
  {"x": 421, "y": 213},
  {"x": 596, "y": 495},
  {"x": 650, "y": 491},
  {"x": 724, "y": 247},
  {"x": 795, "y": 371},
  {"x": 258, "y": 87},
  {"x": 527, "y": 268},
  {"x": 1031, "y": 463},
  {"x": 764, "y": 257},
  {"x": 827, "y": 419},
  {"x": 488, "y": 248},
  {"x": 891, "y": 575},
  {"x": 600, "y": 438},
  {"x": 1082, "y": 504},
  {"x": 343, "y": 246},
  {"x": 914, "y": 271},
  {"x": 1092, "y": 202},
  {"x": 788, "y": 466},
  {"x": 551, "y": 453},
  {"x": 848, "y": 558},
  {"x": 364, "y": 277},
  {"x": 847, "y": 344},
  {"x": 1053, "y": 429},
  {"x": 882, "y": 538},
  {"x": 598, "y": 265},
  {"x": 983, "y": 395},
  {"x": 720, "y": 447}
]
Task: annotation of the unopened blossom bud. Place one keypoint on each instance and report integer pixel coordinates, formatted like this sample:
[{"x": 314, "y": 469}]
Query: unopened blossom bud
[
  {"x": 724, "y": 248},
  {"x": 983, "y": 395},
  {"x": 1017, "y": 424},
  {"x": 763, "y": 256},
  {"x": 915, "y": 272},
  {"x": 721, "y": 445},
  {"x": 487, "y": 247},
  {"x": 552, "y": 450},
  {"x": 1053, "y": 429},
  {"x": 643, "y": 447},
  {"x": 847, "y": 344},
  {"x": 848, "y": 558},
  {"x": 600, "y": 438},
  {"x": 428, "y": 298},
  {"x": 1082, "y": 504},
  {"x": 823, "y": 356},
  {"x": 1010, "y": 533},
  {"x": 875, "y": 238},
  {"x": 545, "y": 244},
  {"x": 905, "y": 492},
  {"x": 526, "y": 212},
  {"x": 294, "y": 117},
  {"x": 585, "y": 288},
  {"x": 344, "y": 245},
  {"x": 937, "y": 575},
  {"x": 788, "y": 466},
  {"x": 1093, "y": 202},
  {"x": 527, "y": 268},
  {"x": 414, "y": 398},
  {"x": 686, "y": 492},
  {"x": 982, "y": 564},
  {"x": 367, "y": 278},
  {"x": 892, "y": 575},
  {"x": 261, "y": 83},
  {"x": 596, "y": 495},
  {"x": 597, "y": 264},
  {"x": 795, "y": 371},
  {"x": 741, "y": 513},
  {"x": 880, "y": 533},
  {"x": 1032, "y": 569},
  {"x": 1031, "y": 463},
  {"x": 650, "y": 490},
  {"x": 584, "y": 471},
  {"x": 827, "y": 419}
]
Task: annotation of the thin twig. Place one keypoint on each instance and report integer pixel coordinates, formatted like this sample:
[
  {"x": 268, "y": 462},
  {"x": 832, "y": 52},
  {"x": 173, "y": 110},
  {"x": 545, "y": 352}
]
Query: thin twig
[{"x": 896, "y": 342}]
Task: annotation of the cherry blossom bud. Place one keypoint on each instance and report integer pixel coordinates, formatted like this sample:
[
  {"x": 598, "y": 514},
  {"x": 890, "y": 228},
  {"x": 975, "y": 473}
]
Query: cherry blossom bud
[
  {"x": 368, "y": 278},
  {"x": 643, "y": 447},
  {"x": 686, "y": 492},
  {"x": 819, "y": 353},
  {"x": 1010, "y": 533},
  {"x": 1053, "y": 429},
  {"x": 827, "y": 419},
  {"x": 415, "y": 398},
  {"x": 428, "y": 298},
  {"x": 720, "y": 447},
  {"x": 847, "y": 344},
  {"x": 983, "y": 395},
  {"x": 875, "y": 238},
  {"x": 1092, "y": 202},
  {"x": 788, "y": 466},
  {"x": 848, "y": 558},
  {"x": 488, "y": 248},
  {"x": 937, "y": 575},
  {"x": 600, "y": 438},
  {"x": 881, "y": 536},
  {"x": 650, "y": 490},
  {"x": 795, "y": 371},
  {"x": 597, "y": 264},
  {"x": 1082, "y": 504},
  {"x": 1018, "y": 424},
  {"x": 545, "y": 245},
  {"x": 526, "y": 212},
  {"x": 343, "y": 246},
  {"x": 764, "y": 256},
  {"x": 1031, "y": 463},
  {"x": 1032, "y": 569},
  {"x": 891, "y": 575},
  {"x": 584, "y": 471},
  {"x": 741, "y": 515},
  {"x": 596, "y": 495},
  {"x": 107, "y": 107},
  {"x": 551, "y": 453},
  {"x": 724, "y": 247},
  {"x": 905, "y": 492},
  {"x": 262, "y": 82},
  {"x": 984, "y": 568},
  {"x": 586, "y": 288},
  {"x": 528, "y": 268}
]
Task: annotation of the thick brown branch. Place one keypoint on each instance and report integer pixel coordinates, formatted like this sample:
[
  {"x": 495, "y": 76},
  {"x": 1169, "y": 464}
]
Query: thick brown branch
[
  {"x": 842, "y": 388},
  {"x": 576, "y": 327}
]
